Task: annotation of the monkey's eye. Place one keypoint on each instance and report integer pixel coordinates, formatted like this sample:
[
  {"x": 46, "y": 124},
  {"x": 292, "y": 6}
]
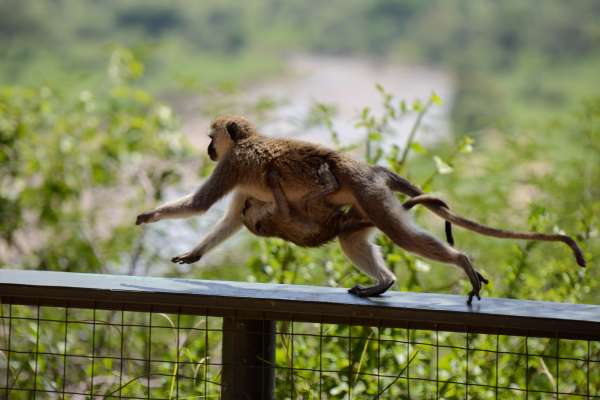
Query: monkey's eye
[
  {"x": 258, "y": 227},
  {"x": 247, "y": 205}
]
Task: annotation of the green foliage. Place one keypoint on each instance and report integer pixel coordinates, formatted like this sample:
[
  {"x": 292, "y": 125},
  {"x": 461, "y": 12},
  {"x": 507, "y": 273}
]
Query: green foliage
[{"x": 63, "y": 156}]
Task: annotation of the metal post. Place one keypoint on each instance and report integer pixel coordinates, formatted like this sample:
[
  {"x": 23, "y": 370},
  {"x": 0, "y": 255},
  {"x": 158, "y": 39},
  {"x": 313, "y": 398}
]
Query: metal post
[{"x": 248, "y": 359}]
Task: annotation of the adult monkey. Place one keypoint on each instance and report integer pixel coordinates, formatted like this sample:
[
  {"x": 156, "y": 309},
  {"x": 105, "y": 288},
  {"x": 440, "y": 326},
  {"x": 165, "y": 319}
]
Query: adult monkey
[{"x": 244, "y": 160}]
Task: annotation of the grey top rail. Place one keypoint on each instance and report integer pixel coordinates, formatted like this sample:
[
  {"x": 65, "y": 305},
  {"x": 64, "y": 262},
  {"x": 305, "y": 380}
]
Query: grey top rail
[{"x": 300, "y": 303}]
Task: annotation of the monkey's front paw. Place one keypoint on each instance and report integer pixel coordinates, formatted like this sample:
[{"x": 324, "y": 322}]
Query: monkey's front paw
[
  {"x": 147, "y": 217},
  {"x": 187, "y": 258}
]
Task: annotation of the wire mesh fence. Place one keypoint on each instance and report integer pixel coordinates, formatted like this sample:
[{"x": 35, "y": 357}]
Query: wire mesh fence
[
  {"x": 51, "y": 352},
  {"x": 396, "y": 363},
  {"x": 81, "y": 336},
  {"x": 71, "y": 353}
]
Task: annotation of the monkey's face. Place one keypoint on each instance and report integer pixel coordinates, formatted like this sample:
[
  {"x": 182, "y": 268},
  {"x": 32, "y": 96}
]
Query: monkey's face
[
  {"x": 225, "y": 132},
  {"x": 256, "y": 216},
  {"x": 220, "y": 144}
]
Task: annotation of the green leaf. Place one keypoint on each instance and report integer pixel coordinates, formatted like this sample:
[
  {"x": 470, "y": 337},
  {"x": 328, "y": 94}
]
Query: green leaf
[
  {"x": 375, "y": 136},
  {"x": 442, "y": 167},
  {"x": 536, "y": 213},
  {"x": 422, "y": 266},
  {"x": 466, "y": 145},
  {"x": 394, "y": 258},
  {"x": 417, "y": 105},
  {"x": 435, "y": 99},
  {"x": 402, "y": 106},
  {"x": 365, "y": 113},
  {"x": 418, "y": 148}
]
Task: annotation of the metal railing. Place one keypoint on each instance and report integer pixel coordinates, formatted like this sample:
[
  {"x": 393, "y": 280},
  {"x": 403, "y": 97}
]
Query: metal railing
[{"x": 70, "y": 335}]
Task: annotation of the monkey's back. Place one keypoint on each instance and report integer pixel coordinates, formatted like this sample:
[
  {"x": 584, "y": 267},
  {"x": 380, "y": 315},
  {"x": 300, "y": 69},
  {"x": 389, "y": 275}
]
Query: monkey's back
[{"x": 298, "y": 162}]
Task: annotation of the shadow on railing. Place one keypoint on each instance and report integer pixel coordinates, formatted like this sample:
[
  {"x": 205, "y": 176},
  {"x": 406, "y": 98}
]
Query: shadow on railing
[{"x": 68, "y": 335}]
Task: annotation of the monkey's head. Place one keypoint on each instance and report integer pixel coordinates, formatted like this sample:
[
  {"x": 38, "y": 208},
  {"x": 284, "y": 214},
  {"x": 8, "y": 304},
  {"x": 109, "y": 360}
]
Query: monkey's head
[
  {"x": 257, "y": 217},
  {"x": 225, "y": 132}
]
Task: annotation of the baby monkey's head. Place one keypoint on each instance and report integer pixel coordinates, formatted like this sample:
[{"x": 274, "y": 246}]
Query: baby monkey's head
[{"x": 258, "y": 218}]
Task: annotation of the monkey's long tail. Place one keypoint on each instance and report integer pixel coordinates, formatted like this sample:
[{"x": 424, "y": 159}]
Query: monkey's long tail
[
  {"x": 440, "y": 208},
  {"x": 399, "y": 184}
]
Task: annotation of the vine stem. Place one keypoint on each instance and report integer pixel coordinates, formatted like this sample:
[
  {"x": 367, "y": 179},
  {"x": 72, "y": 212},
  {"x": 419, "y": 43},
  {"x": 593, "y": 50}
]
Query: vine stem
[{"x": 413, "y": 132}]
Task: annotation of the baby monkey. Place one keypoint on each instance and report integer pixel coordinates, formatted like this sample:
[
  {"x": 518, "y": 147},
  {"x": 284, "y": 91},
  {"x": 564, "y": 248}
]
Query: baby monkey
[{"x": 314, "y": 221}]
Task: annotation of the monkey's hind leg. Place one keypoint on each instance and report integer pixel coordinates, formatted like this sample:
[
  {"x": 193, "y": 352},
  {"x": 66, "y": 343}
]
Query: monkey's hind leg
[
  {"x": 367, "y": 257},
  {"x": 388, "y": 215},
  {"x": 281, "y": 204}
]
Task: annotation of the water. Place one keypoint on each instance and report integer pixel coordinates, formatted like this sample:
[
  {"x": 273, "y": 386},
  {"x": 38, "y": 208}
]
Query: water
[{"x": 349, "y": 84}]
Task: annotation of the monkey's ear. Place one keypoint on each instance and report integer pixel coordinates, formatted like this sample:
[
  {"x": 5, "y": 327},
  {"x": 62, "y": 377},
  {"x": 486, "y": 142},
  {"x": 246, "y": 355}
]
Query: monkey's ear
[{"x": 234, "y": 130}]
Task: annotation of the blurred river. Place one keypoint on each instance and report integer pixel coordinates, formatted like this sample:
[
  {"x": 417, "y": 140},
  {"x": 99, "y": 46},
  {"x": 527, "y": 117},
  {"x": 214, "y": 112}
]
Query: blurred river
[{"x": 346, "y": 83}]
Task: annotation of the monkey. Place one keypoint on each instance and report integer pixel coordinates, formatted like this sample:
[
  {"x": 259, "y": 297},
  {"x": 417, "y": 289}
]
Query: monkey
[{"x": 243, "y": 157}]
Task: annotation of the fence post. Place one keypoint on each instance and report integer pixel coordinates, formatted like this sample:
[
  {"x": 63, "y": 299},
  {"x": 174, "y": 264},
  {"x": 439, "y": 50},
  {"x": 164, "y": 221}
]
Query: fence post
[{"x": 248, "y": 359}]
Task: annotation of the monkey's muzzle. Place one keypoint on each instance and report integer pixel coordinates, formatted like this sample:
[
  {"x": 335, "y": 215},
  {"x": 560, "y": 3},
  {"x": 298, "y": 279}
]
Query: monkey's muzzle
[{"x": 212, "y": 153}]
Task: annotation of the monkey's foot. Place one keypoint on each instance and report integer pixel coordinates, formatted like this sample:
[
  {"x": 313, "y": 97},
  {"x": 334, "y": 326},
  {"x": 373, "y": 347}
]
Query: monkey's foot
[
  {"x": 370, "y": 291},
  {"x": 471, "y": 294},
  {"x": 186, "y": 258},
  {"x": 474, "y": 293},
  {"x": 147, "y": 217},
  {"x": 481, "y": 278}
]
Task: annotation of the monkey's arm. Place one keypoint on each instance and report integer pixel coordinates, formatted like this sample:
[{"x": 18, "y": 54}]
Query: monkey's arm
[
  {"x": 227, "y": 226},
  {"x": 221, "y": 181},
  {"x": 327, "y": 181},
  {"x": 282, "y": 206},
  {"x": 328, "y": 185}
]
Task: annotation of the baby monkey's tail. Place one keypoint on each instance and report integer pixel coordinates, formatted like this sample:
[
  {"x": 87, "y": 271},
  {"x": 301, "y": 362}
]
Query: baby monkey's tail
[
  {"x": 431, "y": 202},
  {"x": 399, "y": 184}
]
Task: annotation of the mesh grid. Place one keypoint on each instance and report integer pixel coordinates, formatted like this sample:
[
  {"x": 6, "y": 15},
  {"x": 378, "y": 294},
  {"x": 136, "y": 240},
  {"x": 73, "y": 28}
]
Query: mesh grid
[
  {"x": 90, "y": 353},
  {"x": 72, "y": 353}
]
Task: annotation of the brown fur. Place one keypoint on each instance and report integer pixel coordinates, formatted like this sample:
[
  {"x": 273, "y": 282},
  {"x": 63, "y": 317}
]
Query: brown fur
[
  {"x": 319, "y": 224},
  {"x": 325, "y": 224},
  {"x": 245, "y": 159}
]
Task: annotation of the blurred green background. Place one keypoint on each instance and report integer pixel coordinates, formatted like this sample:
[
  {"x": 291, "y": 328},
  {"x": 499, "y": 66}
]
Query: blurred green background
[{"x": 104, "y": 106}]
